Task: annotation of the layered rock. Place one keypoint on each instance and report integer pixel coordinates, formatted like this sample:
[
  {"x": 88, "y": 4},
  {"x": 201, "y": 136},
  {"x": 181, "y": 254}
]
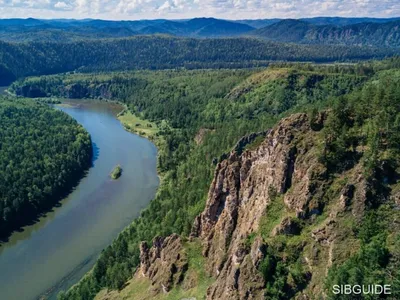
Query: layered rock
[
  {"x": 284, "y": 166},
  {"x": 238, "y": 199},
  {"x": 164, "y": 263}
]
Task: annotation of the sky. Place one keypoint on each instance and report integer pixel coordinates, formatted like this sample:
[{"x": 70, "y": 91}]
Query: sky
[{"x": 184, "y": 9}]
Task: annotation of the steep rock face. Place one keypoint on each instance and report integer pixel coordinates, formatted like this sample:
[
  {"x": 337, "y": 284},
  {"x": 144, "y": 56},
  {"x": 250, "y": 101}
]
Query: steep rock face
[
  {"x": 285, "y": 168},
  {"x": 164, "y": 263},
  {"x": 237, "y": 200}
]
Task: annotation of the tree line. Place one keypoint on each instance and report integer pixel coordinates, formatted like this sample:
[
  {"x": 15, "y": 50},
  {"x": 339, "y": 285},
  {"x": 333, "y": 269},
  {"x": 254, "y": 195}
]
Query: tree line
[
  {"x": 163, "y": 52},
  {"x": 229, "y": 104},
  {"x": 43, "y": 153}
]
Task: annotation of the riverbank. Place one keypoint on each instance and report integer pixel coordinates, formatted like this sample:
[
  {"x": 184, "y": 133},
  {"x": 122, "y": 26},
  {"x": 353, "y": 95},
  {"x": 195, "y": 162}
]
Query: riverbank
[
  {"x": 28, "y": 198},
  {"x": 64, "y": 244},
  {"x": 139, "y": 126}
]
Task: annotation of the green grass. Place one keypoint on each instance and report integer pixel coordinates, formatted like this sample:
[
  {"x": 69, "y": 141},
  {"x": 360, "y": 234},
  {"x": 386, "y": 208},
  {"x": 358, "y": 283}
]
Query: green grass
[
  {"x": 196, "y": 272},
  {"x": 273, "y": 215},
  {"x": 139, "y": 288},
  {"x": 137, "y": 125}
]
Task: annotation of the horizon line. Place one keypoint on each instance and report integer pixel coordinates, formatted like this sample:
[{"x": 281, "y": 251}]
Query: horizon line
[{"x": 184, "y": 19}]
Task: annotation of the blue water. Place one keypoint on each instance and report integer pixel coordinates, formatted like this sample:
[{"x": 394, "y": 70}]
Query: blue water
[{"x": 56, "y": 252}]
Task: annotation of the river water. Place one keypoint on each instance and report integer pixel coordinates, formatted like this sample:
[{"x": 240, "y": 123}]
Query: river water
[{"x": 56, "y": 252}]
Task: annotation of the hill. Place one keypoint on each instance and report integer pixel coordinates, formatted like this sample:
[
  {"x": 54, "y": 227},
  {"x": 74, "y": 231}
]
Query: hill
[
  {"x": 299, "y": 31},
  {"x": 70, "y": 30},
  {"x": 336, "y": 21},
  {"x": 295, "y": 163},
  {"x": 199, "y": 27},
  {"x": 161, "y": 52}
]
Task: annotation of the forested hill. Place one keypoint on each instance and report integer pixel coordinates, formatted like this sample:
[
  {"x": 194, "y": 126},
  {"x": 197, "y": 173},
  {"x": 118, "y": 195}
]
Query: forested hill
[
  {"x": 366, "y": 33},
  {"x": 53, "y": 30},
  {"x": 343, "y": 157},
  {"x": 65, "y": 29},
  {"x": 43, "y": 154},
  {"x": 162, "y": 52}
]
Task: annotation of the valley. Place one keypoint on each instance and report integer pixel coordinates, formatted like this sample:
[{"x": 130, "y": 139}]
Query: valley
[
  {"x": 227, "y": 106},
  {"x": 198, "y": 158}
]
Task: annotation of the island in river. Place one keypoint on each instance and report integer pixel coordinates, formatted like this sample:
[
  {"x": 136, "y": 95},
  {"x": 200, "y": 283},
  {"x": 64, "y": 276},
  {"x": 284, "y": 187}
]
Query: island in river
[
  {"x": 116, "y": 173},
  {"x": 54, "y": 253}
]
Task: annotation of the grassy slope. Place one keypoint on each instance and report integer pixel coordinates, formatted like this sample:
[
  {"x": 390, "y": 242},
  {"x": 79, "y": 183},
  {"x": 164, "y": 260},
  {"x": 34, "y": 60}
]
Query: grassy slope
[
  {"x": 138, "y": 288},
  {"x": 139, "y": 126}
]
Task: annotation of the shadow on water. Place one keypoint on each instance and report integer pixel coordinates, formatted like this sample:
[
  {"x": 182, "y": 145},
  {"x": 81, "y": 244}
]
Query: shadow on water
[
  {"x": 48, "y": 211},
  {"x": 53, "y": 205},
  {"x": 63, "y": 246},
  {"x": 60, "y": 284},
  {"x": 96, "y": 153}
]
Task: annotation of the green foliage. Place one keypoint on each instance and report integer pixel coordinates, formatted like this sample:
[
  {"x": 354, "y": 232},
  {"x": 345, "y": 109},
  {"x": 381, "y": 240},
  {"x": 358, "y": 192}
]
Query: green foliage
[
  {"x": 372, "y": 264},
  {"x": 163, "y": 52},
  {"x": 43, "y": 153},
  {"x": 272, "y": 215},
  {"x": 231, "y": 104},
  {"x": 364, "y": 124},
  {"x": 116, "y": 173},
  {"x": 301, "y": 31},
  {"x": 282, "y": 270}
]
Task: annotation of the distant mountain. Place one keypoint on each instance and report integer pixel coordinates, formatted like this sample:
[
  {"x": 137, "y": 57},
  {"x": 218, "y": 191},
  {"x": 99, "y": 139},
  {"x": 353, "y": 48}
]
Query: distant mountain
[
  {"x": 37, "y": 30},
  {"x": 285, "y": 31},
  {"x": 199, "y": 27},
  {"x": 366, "y": 34},
  {"x": 205, "y": 27},
  {"x": 260, "y": 23},
  {"x": 24, "y": 22},
  {"x": 321, "y": 30},
  {"x": 339, "y": 21}
]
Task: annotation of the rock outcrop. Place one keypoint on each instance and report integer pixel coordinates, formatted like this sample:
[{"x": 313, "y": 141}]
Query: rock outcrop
[
  {"x": 285, "y": 166},
  {"x": 164, "y": 263},
  {"x": 238, "y": 199}
]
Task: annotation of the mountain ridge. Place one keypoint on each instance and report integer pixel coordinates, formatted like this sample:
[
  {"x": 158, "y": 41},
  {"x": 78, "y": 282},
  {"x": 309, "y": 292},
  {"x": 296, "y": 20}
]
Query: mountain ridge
[
  {"x": 365, "y": 33},
  {"x": 16, "y": 29}
]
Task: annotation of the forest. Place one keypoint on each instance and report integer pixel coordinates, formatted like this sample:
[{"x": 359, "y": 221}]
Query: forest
[
  {"x": 226, "y": 105},
  {"x": 164, "y": 52},
  {"x": 302, "y": 31},
  {"x": 43, "y": 154},
  {"x": 379, "y": 32},
  {"x": 200, "y": 87}
]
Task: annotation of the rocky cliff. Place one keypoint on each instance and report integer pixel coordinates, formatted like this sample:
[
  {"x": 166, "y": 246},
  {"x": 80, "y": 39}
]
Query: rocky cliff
[
  {"x": 244, "y": 186},
  {"x": 274, "y": 221},
  {"x": 238, "y": 198}
]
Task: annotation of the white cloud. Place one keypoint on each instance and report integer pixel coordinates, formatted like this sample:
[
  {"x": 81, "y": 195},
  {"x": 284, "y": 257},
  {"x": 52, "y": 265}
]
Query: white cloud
[
  {"x": 62, "y": 5},
  {"x": 228, "y": 9},
  {"x": 165, "y": 6}
]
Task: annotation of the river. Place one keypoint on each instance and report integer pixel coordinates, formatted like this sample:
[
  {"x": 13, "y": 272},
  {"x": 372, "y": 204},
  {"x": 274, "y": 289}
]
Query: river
[{"x": 54, "y": 253}]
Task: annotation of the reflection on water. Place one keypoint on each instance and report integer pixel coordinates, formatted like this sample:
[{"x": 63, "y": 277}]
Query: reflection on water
[{"x": 55, "y": 252}]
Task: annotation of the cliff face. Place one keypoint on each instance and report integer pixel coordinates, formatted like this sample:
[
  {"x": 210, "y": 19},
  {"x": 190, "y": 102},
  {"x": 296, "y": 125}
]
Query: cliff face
[
  {"x": 243, "y": 188},
  {"x": 276, "y": 203},
  {"x": 240, "y": 193},
  {"x": 164, "y": 263}
]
